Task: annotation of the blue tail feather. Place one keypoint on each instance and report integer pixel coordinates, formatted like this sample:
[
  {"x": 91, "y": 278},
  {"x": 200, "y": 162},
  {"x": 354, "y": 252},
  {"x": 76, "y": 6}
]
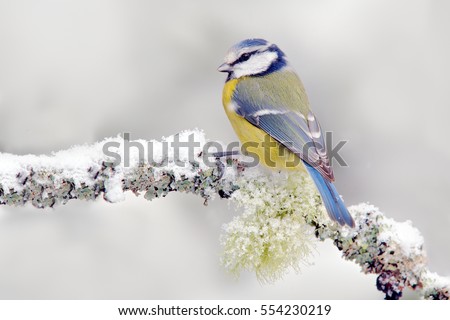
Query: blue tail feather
[{"x": 333, "y": 203}]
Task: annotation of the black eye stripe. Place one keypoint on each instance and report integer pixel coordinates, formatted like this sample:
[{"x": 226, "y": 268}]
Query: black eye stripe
[{"x": 243, "y": 57}]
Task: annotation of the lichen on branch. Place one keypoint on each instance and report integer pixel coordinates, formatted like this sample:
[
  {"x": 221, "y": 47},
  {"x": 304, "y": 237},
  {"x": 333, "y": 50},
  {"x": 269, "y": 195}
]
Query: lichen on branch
[
  {"x": 282, "y": 213},
  {"x": 86, "y": 172}
]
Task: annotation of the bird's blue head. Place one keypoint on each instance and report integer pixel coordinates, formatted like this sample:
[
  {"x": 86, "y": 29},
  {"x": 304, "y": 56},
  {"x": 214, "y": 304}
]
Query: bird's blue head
[{"x": 252, "y": 57}]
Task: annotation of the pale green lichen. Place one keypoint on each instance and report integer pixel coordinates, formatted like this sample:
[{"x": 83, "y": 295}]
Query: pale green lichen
[{"x": 273, "y": 233}]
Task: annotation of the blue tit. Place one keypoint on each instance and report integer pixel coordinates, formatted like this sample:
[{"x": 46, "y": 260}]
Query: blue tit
[{"x": 267, "y": 105}]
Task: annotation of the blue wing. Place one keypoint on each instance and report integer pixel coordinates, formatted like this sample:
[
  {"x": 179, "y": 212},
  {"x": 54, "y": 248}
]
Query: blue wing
[{"x": 285, "y": 116}]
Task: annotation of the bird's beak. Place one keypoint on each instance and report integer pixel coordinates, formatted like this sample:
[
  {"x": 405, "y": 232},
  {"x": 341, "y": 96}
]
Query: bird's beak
[{"x": 224, "y": 67}]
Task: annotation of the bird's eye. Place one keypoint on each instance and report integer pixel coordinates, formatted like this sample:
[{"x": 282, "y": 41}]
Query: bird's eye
[{"x": 245, "y": 57}]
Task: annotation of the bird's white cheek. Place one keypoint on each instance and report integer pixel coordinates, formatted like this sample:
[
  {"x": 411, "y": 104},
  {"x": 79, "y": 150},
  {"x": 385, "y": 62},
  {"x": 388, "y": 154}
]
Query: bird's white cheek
[
  {"x": 240, "y": 72},
  {"x": 258, "y": 63}
]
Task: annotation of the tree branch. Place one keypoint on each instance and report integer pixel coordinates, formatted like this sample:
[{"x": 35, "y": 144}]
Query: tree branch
[{"x": 281, "y": 212}]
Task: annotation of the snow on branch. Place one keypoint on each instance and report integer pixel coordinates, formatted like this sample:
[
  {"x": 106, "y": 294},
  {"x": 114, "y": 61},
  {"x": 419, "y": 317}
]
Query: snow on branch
[
  {"x": 282, "y": 213},
  {"x": 109, "y": 168}
]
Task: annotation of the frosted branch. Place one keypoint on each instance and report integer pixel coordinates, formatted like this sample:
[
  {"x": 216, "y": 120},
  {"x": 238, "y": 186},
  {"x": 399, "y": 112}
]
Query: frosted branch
[{"x": 282, "y": 214}]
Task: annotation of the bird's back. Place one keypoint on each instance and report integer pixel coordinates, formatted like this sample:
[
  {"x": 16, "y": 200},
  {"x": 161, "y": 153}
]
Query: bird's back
[{"x": 281, "y": 90}]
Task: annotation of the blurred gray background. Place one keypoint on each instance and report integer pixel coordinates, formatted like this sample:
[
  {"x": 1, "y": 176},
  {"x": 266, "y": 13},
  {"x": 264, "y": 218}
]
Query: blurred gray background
[{"x": 377, "y": 74}]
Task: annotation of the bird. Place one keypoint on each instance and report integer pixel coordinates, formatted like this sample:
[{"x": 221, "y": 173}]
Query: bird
[{"x": 267, "y": 105}]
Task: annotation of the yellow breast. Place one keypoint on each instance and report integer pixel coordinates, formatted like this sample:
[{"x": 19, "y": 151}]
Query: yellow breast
[{"x": 254, "y": 140}]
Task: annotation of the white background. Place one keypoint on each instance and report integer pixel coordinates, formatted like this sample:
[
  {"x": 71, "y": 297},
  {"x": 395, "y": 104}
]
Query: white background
[{"x": 72, "y": 72}]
